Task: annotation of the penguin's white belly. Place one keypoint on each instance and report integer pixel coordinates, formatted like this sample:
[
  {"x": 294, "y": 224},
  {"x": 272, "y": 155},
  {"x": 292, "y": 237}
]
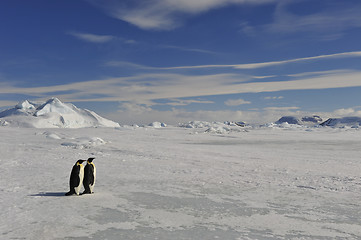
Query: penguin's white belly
[
  {"x": 91, "y": 186},
  {"x": 81, "y": 177}
]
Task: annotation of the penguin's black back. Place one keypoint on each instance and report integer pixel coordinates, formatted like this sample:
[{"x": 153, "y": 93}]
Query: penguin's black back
[
  {"x": 74, "y": 176},
  {"x": 89, "y": 174}
]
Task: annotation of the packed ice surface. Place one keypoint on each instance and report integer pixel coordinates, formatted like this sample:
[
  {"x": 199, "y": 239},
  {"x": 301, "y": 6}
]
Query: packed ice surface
[{"x": 170, "y": 183}]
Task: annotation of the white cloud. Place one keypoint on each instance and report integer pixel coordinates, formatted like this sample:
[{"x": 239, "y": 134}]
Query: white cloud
[
  {"x": 145, "y": 88},
  {"x": 4, "y": 103},
  {"x": 163, "y": 14},
  {"x": 134, "y": 108},
  {"x": 329, "y": 23},
  {"x": 318, "y": 73},
  {"x": 262, "y": 77},
  {"x": 274, "y": 98},
  {"x": 197, "y": 50},
  {"x": 236, "y": 102},
  {"x": 135, "y": 115},
  {"x": 93, "y": 38},
  {"x": 127, "y": 65},
  {"x": 144, "y": 115},
  {"x": 346, "y": 112},
  {"x": 185, "y": 102},
  {"x": 281, "y": 108},
  {"x": 355, "y": 54},
  {"x": 268, "y": 64}
]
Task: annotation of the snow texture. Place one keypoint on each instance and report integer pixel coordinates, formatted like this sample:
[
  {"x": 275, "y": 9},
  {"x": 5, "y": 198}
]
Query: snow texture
[
  {"x": 170, "y": 183},
  {"x": 52, "y": 114}
]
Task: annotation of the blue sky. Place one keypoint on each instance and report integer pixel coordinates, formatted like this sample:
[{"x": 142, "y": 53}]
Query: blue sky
[{"x": 138, "y": 61}]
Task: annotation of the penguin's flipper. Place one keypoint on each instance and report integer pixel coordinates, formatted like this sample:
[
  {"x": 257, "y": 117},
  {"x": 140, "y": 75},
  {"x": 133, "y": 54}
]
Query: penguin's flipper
[
  {"x": 76, "y": 180},
  {"x": 74, "y": 176},
  {"x": 91, "y": 178}
]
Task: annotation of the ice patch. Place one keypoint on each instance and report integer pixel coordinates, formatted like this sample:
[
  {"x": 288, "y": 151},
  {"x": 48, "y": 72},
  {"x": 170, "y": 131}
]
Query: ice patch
[
  {"x": 85, "y": 142},
  {"x": 167, "y": 184},
  {"x": 51, "y": 135}
]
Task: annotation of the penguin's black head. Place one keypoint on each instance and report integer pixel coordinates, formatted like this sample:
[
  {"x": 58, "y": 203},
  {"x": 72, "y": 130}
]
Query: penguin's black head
[
  {"x": 90, "y": 159},
  {"x": 80, "y": 161}
]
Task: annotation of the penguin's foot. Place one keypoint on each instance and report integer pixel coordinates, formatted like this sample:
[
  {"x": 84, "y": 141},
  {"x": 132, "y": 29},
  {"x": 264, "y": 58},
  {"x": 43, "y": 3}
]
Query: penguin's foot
[
  {"x": 86, "y": 192},
  {"x": 69, "y": 193}
]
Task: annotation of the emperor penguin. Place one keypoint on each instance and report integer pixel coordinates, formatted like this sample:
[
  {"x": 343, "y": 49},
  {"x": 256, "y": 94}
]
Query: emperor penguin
[
  {"x": 89, "y": 176},
  {"x": 76, "y": 178}
]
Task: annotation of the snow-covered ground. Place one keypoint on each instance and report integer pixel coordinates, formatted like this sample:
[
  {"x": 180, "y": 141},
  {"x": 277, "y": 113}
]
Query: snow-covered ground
[{"x": 182, "y": 183}]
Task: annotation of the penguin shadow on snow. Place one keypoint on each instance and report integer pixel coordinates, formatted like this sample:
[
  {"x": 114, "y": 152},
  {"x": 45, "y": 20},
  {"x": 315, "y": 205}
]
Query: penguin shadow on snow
[{"x": 49, "y": 194}]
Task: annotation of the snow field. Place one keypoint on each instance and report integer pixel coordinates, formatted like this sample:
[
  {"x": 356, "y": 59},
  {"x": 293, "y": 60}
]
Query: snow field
[{"x": 170, "y": 183}]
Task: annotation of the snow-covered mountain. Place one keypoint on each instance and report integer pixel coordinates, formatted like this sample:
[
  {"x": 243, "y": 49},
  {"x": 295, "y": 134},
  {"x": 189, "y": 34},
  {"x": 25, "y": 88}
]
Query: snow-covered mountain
[
  {"x": 52, "y": 114},
  {"x": 304, "y": 121},
  {"x": 354, "y": 122},
  {"x": 342, "y": 122},
  {"x": 289, "y": 120}
]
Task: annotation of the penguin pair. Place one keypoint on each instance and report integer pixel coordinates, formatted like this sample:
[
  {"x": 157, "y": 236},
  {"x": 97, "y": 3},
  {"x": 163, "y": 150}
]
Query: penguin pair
[{"x": 82, "y": 175}]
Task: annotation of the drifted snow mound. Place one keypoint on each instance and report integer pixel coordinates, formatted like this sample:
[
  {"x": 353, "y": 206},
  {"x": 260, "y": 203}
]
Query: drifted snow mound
[
  {"x": 343, "y": 122},
  {"x": 53, "y": 114},
  {"x": 3, "y": 122},
  {"x": 157, "y": 125},
  {"x": 84, "y": 142},
  {"x": 219, "y": 130}
]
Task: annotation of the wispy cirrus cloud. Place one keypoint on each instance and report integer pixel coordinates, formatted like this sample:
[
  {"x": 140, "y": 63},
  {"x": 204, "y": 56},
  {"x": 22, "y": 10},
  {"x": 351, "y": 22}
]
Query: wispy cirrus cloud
[
  {"x": 122, "y": 64},
  {"x": 98, "y": 38},
  {"x": 185, "y": 102},
  {"x": 236, "y": 102},
  {"x": 354, "y": 54},
  {"x": 323, "y": 21},
  {"x": 147, "y": 88},
  {"x": 197, "y": 50},
  {"x": 332, "y": 19},
  {"x": 282, "y": 109},
  {"x": 274, "y": 63},
  {"x": 93, "y": 38},
  {"x": 163, "y": 14},
  {"x": 274, "y": 98},
  {"x": 4, "y": 103}
]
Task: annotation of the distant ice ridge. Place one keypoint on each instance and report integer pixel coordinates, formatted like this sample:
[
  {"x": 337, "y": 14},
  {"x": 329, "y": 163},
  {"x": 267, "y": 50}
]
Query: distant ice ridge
[
  {"x": 157, "y": 125},
  {"x": 52, "y": 114},
  {"x": 215, "y": 127},
  {"x": 316, "y": 121}
]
